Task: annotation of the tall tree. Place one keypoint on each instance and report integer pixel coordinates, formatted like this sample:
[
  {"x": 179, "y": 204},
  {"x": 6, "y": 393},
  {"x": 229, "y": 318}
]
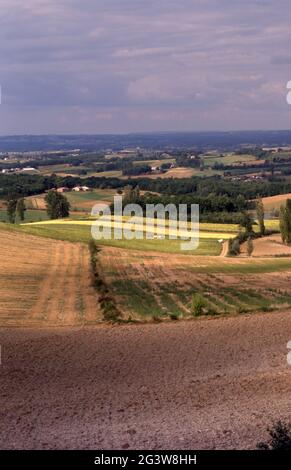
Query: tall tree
[
  {"x": 11, "y": 210},
  {"x": 57, "y": 205},
  {"x": 246, "y": 222},
  {"x": 285, "y": 222},
  {"x": 261, "y": 216},
  {"x": 250, "y": 246},
  {"x": 20, "y": 209}
]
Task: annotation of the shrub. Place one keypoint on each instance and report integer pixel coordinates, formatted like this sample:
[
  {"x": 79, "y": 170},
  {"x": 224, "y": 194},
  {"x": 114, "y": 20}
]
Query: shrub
[
  {"x": 233, "y": 246},
  {"x": 197, "y": 305},
  {"x": 174, "y": 316},
  {"x": 110, "y": 313},
  {"x": 156, "y": 318},
  {"x": 280, "y": 437},
  {"x": 107, "y": 304},
  {"x": 211, "y": 312}
]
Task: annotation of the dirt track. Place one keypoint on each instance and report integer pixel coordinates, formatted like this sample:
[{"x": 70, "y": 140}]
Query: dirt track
[{"x": 200, "y": 384}]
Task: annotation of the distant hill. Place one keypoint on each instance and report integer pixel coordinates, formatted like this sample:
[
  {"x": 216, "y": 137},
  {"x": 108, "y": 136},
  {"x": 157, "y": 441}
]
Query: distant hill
[{"x": 199, "y": 140}]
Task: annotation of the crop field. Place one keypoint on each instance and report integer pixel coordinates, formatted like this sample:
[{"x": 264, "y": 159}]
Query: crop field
[
  {"x": 210, "y": 239},
  {"x": 30, "y": 216},
  {"x": 150, "y": 279},
  {"x": 140, "y": 227},
  {"x": 82, "y": 233},
  {"x": 182, "y": 172},
  {"x": 159, "y": 287},
  {"x": 48, "y": 170},
  {"x": 179, "y": 172},
  {"x": 106, "y": 174},
  {"x": 45, "y": 282},
  {"x": 80, "y": 201},
  {"x": 153, "y": 162},
  {"x": 230, "y": 159},
  {"x": 84, "y": 201}
]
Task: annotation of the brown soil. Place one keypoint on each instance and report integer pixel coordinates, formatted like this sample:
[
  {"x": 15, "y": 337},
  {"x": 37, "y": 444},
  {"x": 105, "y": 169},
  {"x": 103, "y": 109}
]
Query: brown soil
[
  {"x": 172, "y": 173},
  {"x": 274, "y": 202},
  {"x": 210, "y": 384},
  {"x": 268, "y": 246}
]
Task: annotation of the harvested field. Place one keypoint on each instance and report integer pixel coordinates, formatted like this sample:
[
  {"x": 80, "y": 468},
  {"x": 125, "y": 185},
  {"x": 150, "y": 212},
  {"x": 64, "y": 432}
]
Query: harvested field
[
  {"x": 156, "y": 285},
  {"x": 268, "y": 246},
  {"x": 172, "y": 173},
  {"x": 45, "y": 282},
  {"x": 209, "y": 384},
  {"x": 274, "y": 202}
]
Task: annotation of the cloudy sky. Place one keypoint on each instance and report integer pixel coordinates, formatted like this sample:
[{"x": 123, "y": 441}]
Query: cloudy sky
[{"x": 95, "y": 66}]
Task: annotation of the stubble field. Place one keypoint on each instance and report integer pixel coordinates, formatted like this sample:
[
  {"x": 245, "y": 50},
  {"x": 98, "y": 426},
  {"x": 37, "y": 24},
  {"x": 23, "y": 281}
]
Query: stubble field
[{"x": 45, "y": 282}]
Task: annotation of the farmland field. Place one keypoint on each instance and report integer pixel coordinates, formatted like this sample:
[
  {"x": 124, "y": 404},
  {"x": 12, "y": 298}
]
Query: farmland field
[
  {"x": 182, "y": 172},
  {"x": 82, "y": 233},
  {"x": 147, "y": 283},
  {"x": 79, "y": 375},
  {"x": 210, "y": 236},
  {"x": 80, "y": 201},
  {"x": 203, "y": 384},
  {"x": 231, "y": 159},
  {"x": 45, "y": 282},
  {"x": 30, "y": 216},
  {"x": 268, "y": 246},
  {"x": 155, "y": 285},
  {"x": 275, "y": 202},
  {"x": 153, "y": 162}
]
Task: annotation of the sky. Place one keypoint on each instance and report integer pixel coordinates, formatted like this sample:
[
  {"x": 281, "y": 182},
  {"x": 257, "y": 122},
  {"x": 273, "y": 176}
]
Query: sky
[{"x": 120, "y": 66}]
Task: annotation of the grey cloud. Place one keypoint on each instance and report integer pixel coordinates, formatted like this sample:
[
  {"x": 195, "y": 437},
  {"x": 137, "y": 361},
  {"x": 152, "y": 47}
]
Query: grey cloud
[{"x": 155, "y": 62}]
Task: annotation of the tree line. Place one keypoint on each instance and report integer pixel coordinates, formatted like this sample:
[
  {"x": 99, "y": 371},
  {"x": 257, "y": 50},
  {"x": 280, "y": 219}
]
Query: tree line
[{"x": 27, "y": 185}]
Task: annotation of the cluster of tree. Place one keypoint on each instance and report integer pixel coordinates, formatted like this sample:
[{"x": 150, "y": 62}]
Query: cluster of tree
[
  {"x": 129, "y": 169},
  {"x": 26, "y": 185},
  {"x": 165, "y": 166},
  {"x": 57, "y": 205},
  {"x": 209, "y": 204},
  {"x": 193, "y": 161},
  {"x": 234, "y": 244},
  {"x": 247, "y": 234},
  {"x": 15, "y": 208},
  {"x": 216, "y": 185},
  {"x": 246, "y": 168}
]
